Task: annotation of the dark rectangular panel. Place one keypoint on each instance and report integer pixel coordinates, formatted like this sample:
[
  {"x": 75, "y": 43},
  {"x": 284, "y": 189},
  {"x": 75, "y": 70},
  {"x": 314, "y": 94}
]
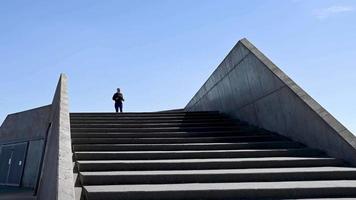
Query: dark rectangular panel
[
  {"x": 5, "y": 162},
  {"x": 17, "y": 164}
]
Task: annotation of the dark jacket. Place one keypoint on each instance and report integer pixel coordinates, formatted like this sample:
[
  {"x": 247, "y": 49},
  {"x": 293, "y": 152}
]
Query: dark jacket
[{"x": 118, "y": 97}]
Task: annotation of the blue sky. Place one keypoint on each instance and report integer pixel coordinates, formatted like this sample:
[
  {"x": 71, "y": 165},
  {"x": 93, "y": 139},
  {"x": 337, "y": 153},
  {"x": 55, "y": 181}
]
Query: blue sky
[{"x": 161, "y": 52}]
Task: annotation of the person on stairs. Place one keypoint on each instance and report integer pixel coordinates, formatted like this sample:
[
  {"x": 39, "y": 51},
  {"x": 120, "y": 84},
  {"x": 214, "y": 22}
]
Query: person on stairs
[{"x": 118, "y": 98}]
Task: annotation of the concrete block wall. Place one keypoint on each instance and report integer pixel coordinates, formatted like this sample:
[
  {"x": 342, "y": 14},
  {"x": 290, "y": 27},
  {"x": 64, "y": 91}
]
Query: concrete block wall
[{"x": 247, "y": 86}]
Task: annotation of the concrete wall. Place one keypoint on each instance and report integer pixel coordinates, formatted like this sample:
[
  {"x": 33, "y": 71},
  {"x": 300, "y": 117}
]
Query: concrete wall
[
  {"x": 33, "y": 164},
  {"x": 24, "y": 126},
  {"x": 48, "y": 163},
  {"x": 28, "y": 126},
  {"x": 56, "y": 180},
  {"x": 249, "y": 87}
]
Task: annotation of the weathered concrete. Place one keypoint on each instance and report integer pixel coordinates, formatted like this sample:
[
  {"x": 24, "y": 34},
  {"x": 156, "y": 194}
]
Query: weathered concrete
[
  {"x": 249, "y": 87},
  {"x": 45, "y": 129},
  {"x": 24, "y": 126},
  {"x": 28, "y": 126},
  {"x": 124, "y": 170},
  {"x": 32, "y": 166},
  {"x": 252, "y": 190},
  {"x": 18, "y": 195},
  {"x": 57, "y": 176}
]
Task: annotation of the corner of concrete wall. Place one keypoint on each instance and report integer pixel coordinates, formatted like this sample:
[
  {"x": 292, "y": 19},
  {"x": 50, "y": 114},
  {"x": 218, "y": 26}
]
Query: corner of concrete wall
[
  {"x": 26, "y": 125},
  {"x": 249, "y": 87},
  {"x": 56, "y": 181}
]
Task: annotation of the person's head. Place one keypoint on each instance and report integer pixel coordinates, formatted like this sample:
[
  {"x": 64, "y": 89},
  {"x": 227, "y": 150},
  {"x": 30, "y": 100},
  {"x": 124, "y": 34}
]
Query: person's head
[{"x": 118, "y": 89}]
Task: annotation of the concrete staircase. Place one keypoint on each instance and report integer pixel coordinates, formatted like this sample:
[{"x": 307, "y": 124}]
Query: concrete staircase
[{"x": 197, "y": 155}]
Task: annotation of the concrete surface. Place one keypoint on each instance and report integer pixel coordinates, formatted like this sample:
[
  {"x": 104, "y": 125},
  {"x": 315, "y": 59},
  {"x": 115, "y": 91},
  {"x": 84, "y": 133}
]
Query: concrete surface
[
  {"x": 249, "y": 87},
  {"x": 223, "y": 171},
  {"x": 255, "y": 190},
  {"x": 27, "y": 126},
  {"x": 201, "y": 164},
  {"x": 208, "y": 173},
  {"x": 217, "y": 176},
  {"x": 154, "y": 155},
  {"x": 18, "y": 195},
  {"x": 32, "y": 166},
  {"x": 56, "y": 180},
  {"x": 223, "y": 186},
  {"x": 24, "y": 126},
  {"x": 14, "y": 193}
]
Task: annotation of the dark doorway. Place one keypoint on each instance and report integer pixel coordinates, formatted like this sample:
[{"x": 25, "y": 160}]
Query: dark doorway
[{"x": 12, "y": 160}]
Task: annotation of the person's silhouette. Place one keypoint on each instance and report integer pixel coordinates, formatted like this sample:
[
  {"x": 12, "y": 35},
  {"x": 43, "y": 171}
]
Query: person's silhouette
[{"x": 118, "y": 98}]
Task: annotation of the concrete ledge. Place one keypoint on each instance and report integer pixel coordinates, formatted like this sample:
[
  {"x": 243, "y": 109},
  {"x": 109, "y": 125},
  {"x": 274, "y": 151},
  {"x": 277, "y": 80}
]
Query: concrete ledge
[{"x": 249, "y": 87}]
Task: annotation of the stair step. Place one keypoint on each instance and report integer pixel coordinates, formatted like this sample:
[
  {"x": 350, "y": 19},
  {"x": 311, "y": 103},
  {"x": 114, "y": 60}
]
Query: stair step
[
  {"x": 166, "y": 134},
  {"x": 216, "y": 176},
  {"x": 152, "y": 125},
  {"x": 142, "y": 119},
  {"x": 121, "y": 116},
  {"x": 255, "y": 138},
  {"x": 292, "y": 189},
  {"x": 221, "y": 163},
  {"x": 158, "y": 113},
  {"x": 334, "y": 198},
  {"x": 142, "y": 113},
  {"x": 188, "y": 146},
  {"x": 152, "y": 155},
  {"x": 148, "y": 120},
  {"x": 156, "y": 129}
]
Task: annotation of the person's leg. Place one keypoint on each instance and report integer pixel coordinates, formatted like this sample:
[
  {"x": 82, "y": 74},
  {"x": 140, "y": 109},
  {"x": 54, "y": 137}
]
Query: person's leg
[
  {"x": 116, "y": 107},
  {"x": 120, "y": 107}
]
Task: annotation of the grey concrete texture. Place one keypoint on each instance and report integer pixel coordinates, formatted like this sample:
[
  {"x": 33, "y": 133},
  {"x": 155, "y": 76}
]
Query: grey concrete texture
[
  {"x": 18, "y": 195},
  {"x": 25, "y": 126},
  {"x": 247, "y": 86},
  {"x": 33, "y": 163},
  {"x": 56, "y": 180},
  {"x": 249, "y": 190}
]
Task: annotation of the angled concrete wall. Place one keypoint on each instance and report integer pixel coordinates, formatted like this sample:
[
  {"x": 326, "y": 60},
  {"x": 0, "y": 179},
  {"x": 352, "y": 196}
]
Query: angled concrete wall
[
  {"x": 56, "y": 180},
  {"x": 48, "y": 166},
  {"x": 249, "y": 87},
  {"x": 27, "y": 126}
]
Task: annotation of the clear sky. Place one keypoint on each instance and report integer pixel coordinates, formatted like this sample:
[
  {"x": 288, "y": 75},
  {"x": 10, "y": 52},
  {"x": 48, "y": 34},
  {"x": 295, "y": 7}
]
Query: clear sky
[{"x": 161, "y": 52}]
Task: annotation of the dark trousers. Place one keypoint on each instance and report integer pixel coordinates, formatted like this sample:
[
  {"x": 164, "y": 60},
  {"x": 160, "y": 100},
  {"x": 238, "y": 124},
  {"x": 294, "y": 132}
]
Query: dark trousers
[{"x": 117, "y": 106}]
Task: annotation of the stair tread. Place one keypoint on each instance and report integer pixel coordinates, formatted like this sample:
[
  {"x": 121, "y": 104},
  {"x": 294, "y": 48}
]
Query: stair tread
[
  {"x": 209, "y": 160},
  {"x": 223, "y": 186},
  {"x": 166, "y": 135},
  {"x": 195, "y": 151},
  {"x": 180, "y": 132},
  {"x": 173, "y": 112},
  {"x": 157, "y": 123},
  {"x": 190, "y": 144},
  {"x": 336, "y": 198},
  {"x": 222, "y": 171},
  {"x": 186, "y": 146},
  {"x": 195, "y": 138}
]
